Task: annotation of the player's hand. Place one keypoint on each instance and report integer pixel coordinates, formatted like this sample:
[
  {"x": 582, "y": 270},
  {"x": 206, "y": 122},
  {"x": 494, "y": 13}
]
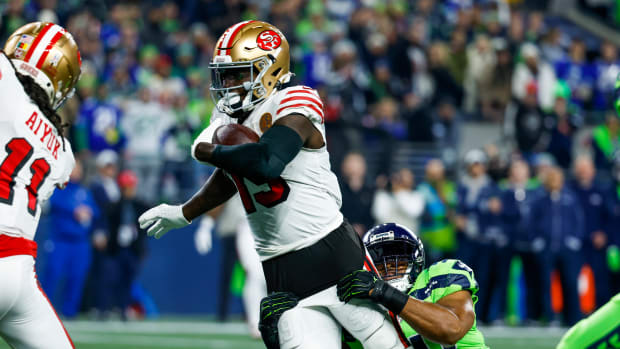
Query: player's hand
[
  {"x": 271, "y": 309},
  {"x": 357, "y": 284},
  {"x": 161, "y": 219},
  {"x": 364, "y": 284}
]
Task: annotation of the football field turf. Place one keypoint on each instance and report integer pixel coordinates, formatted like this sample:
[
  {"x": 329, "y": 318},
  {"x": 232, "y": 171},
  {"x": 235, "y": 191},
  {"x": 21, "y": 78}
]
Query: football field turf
[{"x": 211, "y": 335}]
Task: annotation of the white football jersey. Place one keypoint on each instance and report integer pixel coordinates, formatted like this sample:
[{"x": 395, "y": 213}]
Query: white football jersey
[
  {"x": 303, "y": 205},
  {"x": 32, "y": 159}
]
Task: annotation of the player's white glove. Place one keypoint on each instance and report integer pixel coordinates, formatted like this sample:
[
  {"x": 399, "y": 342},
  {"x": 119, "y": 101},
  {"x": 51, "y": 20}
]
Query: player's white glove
[
  {"x": 162, "y": 218},
  {"x": 202, "y": 238}
]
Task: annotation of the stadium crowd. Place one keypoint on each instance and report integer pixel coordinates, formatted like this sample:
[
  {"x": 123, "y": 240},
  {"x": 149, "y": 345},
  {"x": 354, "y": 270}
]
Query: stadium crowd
[{"x": 409, "y": 71}]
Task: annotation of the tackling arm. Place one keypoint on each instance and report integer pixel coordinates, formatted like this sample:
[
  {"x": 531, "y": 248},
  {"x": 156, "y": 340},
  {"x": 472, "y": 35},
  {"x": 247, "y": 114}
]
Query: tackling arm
[{"x": 444, "y": 322}]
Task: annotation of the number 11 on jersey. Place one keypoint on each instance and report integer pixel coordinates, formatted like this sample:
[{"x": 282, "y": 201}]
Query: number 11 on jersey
[{"x": 19, "y": 152}]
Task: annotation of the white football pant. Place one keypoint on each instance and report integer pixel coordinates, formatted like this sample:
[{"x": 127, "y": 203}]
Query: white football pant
[
  {"x": 27, "y": 319},
  {"x": 316, "y": 323}
]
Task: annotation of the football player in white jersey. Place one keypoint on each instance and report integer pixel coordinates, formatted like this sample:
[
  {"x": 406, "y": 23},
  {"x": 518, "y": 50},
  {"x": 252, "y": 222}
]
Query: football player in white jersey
[
  {"x": 39, "y": 67},
  {"x": 291, "y": 196}
]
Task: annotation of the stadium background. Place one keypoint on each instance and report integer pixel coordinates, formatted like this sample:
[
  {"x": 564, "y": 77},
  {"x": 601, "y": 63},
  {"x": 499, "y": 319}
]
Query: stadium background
[{"x": 403, "y": 82}]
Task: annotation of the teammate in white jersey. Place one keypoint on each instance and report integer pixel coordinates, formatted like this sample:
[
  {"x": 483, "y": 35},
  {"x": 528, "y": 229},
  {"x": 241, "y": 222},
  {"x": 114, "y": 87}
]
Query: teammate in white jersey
[
  {"x": 39, "y": 67},
  {"x": 289, "y": 192}
]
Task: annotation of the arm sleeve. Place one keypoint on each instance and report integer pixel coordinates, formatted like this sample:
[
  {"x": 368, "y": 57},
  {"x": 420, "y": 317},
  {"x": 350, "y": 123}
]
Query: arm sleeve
[
  {"x": 449, "y": 276},
  {"x": 260, "y": 161}
]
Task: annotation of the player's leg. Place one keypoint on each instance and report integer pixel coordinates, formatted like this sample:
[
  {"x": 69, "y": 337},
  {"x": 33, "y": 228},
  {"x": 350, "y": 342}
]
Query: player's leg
[
  {"x": 32, "y": 323},
  {"x": 366, "y": 321},
  {"x": 309, "y": 328}
]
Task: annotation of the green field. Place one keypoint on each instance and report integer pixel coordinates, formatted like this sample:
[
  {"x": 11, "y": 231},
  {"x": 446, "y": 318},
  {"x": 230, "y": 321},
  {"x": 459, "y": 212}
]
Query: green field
[{"x": 211, "y": 335}]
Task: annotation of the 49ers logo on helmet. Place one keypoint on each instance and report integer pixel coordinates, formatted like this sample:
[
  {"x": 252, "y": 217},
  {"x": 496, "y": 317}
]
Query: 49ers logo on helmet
[{"x": 268, "y": 40}]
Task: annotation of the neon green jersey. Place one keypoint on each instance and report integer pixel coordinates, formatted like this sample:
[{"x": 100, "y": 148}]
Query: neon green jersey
[
  {"x": 600, "y": 330},
  {"x": 437, "y": 281}
]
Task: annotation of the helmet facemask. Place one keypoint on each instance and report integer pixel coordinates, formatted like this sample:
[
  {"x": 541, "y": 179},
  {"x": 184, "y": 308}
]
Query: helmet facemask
[
  {"x": 227, "y": 99},
  {"x": 398, "y": 262}
]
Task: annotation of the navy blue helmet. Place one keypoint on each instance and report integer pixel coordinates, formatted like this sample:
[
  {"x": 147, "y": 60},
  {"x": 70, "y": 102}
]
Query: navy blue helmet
[{"x": 397, "y": 253}]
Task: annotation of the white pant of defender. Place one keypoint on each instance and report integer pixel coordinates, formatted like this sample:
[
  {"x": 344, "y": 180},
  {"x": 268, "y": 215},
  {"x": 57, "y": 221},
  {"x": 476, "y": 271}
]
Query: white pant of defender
[
  {"x": 27, "y": 319},
  {"x": 316, "y": 323}
]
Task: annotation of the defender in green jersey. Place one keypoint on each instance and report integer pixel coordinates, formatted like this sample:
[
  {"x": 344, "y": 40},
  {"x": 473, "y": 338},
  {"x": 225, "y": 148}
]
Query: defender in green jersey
[{"x": 434, "y": 306}]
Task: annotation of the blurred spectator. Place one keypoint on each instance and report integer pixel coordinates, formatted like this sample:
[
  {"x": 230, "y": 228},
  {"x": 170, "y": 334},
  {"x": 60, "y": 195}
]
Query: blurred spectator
[
  {"x": 517, "y": 199},
  {"x": 470, "y": 219},
  {"x": 73, "y": 215},
  {"x": 595, "y": 208},
  {"x": 348, "y": 84},
  {"x": 534, "y": 75},
  {"x": 447, "y": 122},
  {"x": 613, "y": 229},
  {"x": 558, "y": 234},
  {"x": 145, "y": 124},
  {"x": 356, "y": 194},
  {"x": 436, "y": 226},
  {"x": 386, "y": 117},
  {"x": 606, "y": 141},
  {"x": 565, "y": 123},
  {"x": 525, "y": 123},
  {"x": 495, "y": 86},
  {"x": 317, "y": 63},
  {"x": 403, "y": 205},
  {"x": 479, "y": 224},
  {"x": 445, "y": 85},
  {"x": 481, "y": 59},
  {"x": 125, "y": 248},
  {"x": 178, "y": 171},
  {"x": 607, "y": 69},
  {"x": 551, "y": 46},
  {"x": 578, "y": 73},
  {"x": 98, "y": 125},
  {"x": 106, "y": 194}
]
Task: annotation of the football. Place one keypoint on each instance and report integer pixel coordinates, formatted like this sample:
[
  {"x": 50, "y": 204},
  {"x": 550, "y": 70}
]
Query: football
[{"x": 233, "y": 134}]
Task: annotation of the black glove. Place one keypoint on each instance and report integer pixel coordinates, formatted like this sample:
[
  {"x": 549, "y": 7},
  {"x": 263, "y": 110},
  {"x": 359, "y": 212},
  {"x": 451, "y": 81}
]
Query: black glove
[
  {"x": 364, "y": 284},
  {"x": 271, "y": 308}
]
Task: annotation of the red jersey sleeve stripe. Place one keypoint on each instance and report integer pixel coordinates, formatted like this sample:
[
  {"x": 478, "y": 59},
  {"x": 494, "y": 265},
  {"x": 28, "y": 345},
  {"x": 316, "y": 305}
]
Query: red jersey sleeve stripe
[
  {"x": 310, "y": 92},
  {"x": 311, "y": 106},
  {"x": 304, "y": 98},
  {"x": 37, "y": 40}
]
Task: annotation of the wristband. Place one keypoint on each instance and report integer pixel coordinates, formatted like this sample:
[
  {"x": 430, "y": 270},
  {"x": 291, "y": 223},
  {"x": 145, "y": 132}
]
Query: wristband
[{"x": 389, "y": 297}]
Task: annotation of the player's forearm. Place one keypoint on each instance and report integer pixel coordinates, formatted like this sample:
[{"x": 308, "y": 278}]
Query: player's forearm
[
  {"x": 433, "y": 321},
  {"x": 257, "y": 161},
  {"x": 216, "y": 191}
]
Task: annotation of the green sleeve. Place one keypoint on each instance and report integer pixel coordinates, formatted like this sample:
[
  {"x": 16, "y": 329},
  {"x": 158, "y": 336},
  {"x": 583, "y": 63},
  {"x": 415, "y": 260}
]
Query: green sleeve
[
  {"x": 445, "y": 278},
  {"x": 599, "y": 330}
]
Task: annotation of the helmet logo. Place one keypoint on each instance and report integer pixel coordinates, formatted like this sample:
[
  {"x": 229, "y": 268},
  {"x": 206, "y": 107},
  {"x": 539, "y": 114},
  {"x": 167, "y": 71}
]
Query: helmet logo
[
  {"x": 388, "y": 235},
  {"x": 22, "y": 45},
  {"x": 268, "y": 40}
]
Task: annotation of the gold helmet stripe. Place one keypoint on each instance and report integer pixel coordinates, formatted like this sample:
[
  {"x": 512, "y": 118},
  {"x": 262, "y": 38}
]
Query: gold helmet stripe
[{"x": 229, "y": 37}]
